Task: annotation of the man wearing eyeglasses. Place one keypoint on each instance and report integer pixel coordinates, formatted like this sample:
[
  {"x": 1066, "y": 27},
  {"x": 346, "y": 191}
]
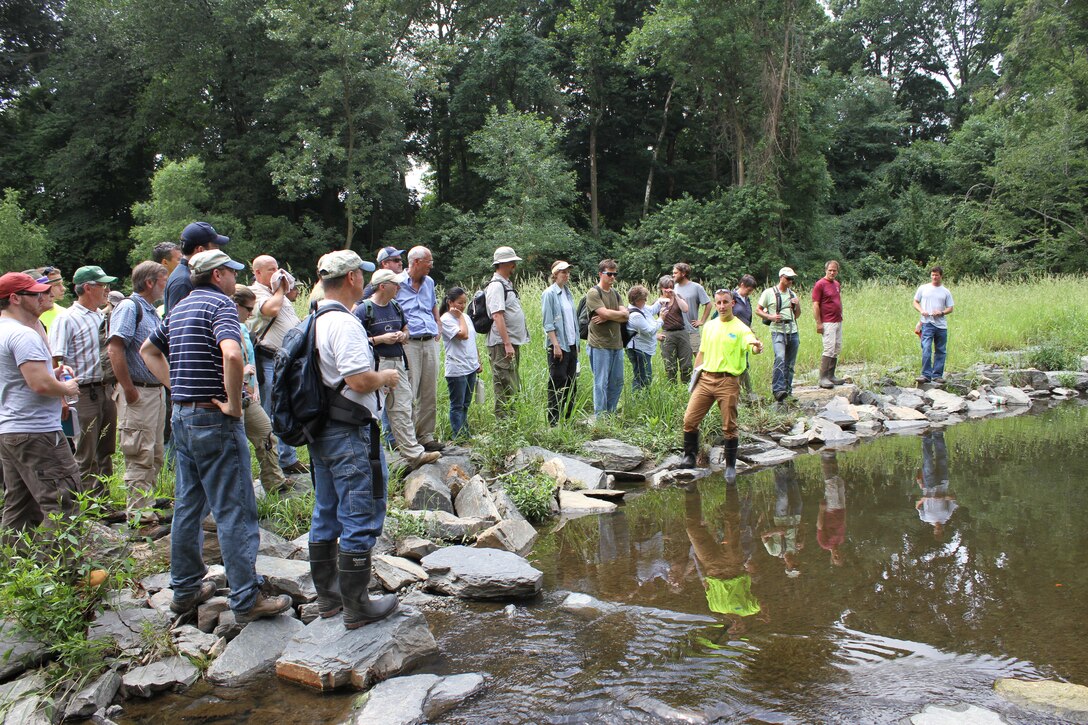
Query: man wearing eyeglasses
[
  {"x": 76, "y": 339},
  {"x": 605, "y": 342},
  {"x": 52, "y": 277},
  {"x": 40, "y": 474}
]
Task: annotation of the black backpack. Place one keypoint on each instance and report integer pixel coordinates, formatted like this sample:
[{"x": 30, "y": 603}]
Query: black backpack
[
  {"x": 626, "y": 332},
  {"x": 477, "y": 308},
  {"x": 301, "y": 402}
]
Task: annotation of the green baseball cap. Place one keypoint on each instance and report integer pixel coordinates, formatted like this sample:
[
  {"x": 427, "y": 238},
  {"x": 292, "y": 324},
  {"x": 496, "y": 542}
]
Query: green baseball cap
[{"x": 92, "y": 273}]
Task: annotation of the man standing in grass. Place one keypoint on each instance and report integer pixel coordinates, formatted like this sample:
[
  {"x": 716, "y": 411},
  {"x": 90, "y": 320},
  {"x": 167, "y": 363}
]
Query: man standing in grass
[
  {"x": 695, "y": 296},
  {"x": 722, "y": 359},
  {"x": 779, "y": 306},
  {"x": 419, "y": 301},
  {"x": 827, "y": 309},
  {"x": 605, "y": 343},
  {"x": 509, "y": 332},
  {"x": 934, "y": 302}
]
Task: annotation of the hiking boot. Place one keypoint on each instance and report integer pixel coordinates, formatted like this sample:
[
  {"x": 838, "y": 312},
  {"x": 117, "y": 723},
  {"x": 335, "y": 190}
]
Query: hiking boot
[
  {"x": 264, "y": 607},
  {"x": 433, "y": 446},
  {"x": 296, "y": 469},
  {"x": 424, "y": 458},
  {"x": 921, "y": 380},
  {"x": 189, "y": 603}
]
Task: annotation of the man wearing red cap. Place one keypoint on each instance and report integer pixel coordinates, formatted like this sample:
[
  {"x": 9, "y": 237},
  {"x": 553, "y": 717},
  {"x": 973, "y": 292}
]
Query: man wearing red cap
[{"x": 40, "y": 474}]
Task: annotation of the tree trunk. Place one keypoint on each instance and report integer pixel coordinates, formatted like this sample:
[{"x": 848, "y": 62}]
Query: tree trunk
[
  {"x": 594, "y": 219},
  {"x": 657, "y": 145}
]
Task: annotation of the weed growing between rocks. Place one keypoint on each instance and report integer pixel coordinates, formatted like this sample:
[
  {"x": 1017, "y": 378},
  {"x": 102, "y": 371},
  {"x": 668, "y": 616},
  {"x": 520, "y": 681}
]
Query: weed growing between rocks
[
  {"x": 287, "y": 515},
  {"x": 532, "y": 492},
  {"x": 400, "y": 525}
]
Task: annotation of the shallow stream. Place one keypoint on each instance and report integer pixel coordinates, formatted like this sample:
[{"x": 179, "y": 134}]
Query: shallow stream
[{"x": 962, "y": 560}]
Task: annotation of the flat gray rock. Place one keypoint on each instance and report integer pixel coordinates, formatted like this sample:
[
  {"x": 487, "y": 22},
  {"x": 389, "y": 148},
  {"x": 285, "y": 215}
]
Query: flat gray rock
[
  {"x": 192, "y": 642},
  {"x": 614, "y": 455},
  {"x": 254, "y": 651},
  {"x": 161, "y": 600},
  {"x": 326, "y": 656},
  {"x": 481, "y": 574},
  {"x": 1012, "y": 396},
  {"x": 174, "y": 673},
  {"x": 415, "y": 548},
  {"x": 207, "y": 614},
  {"x": 1030, "y": 378},
  {"x": 288, "y": 576},
  {"x": 839, "y": 416},
  {"x": 772, "y": 457},
  {"x": 276, "y": 546},
  {"x": 394, "y": 573},
  {"x": 516, "y": 535},
  {"x": 906, "y": 426},
  {"x": 945, "y": 401},
  {"x": 302, "y": 547},
  {"x": 815, "y": 396},
  {"x": 416, "y": 699},
  {"x": 18, "y": 650},
  {"x": 677, "y": 475},
  {"x": 573, "y": 472},
  {"x": 156, "y": 582},
  {"x": 94, "y": 696},
  {"x": 22, "y": 704},
  {"x": 124, "y": 628},
  {"x": 447, "y": 527},
  {"x": 909, "y": 400},
  {"x": 980, "y": 408},
  {"x": 506, "y": 506},
  {"x": 474, "y": 501},
  {"x": 795, "y": 441},
  {"x": 899, "y": 412},
  {"x": 1064, "y": 699},
  {"x": 425, "y": 489},
  {"x": 576, "y": 503},
  {"x": 831, "y": 434}
]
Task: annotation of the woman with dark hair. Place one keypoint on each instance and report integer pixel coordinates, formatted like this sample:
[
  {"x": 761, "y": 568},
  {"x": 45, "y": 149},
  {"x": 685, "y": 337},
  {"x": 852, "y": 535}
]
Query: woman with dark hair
[{"x": 462, "y": 358}]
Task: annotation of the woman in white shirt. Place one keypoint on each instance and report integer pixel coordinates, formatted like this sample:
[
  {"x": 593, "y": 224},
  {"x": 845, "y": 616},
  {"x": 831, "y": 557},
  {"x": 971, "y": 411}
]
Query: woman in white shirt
[
  {"x": 641, "y": 348},
  {"x": 462, "y": 359}
]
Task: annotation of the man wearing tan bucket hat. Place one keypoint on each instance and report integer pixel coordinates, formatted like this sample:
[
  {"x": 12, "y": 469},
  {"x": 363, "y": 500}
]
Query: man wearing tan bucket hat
[{"x": 509, "y": 332}]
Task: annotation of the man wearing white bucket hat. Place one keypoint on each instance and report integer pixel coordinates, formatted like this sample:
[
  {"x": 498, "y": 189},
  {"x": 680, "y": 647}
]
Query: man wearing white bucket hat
[{"x": 508, "y": 333}]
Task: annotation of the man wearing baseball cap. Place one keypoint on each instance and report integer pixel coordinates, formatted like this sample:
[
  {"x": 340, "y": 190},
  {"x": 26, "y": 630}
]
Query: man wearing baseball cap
[
  {"x": 561, "y": 342},
  {"x": 195, "y": 238},
  {"x": 40, "y": 475},
  {"x": 779, "y": 307},
  {"x": 389, "y": 258},
  {"x": 197, "y": 352},
  {"x": 508, "y": 333},
  {"x": 346, "y": 457},
  {"x": 76, "y": 339}
]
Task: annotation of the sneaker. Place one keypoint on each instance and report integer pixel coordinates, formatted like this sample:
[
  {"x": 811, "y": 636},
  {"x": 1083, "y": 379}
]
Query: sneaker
[
  {"x": 189, "y": 603},
  {"x": 432, "y": 446},
  {"x": 425, "y": 458},
  {"x": 264, "y": 607},
  {"x": 296, "y": 468}
]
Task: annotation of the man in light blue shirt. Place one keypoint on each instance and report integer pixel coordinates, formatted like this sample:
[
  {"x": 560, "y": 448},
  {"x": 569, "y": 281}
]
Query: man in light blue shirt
[
  {"x": 561, "y": 342},
  {"x": 420, "y": 305}
]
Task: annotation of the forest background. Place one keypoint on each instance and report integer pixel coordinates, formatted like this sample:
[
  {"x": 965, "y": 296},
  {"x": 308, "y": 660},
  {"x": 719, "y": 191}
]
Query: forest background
[{"x": 737, "y": 135}]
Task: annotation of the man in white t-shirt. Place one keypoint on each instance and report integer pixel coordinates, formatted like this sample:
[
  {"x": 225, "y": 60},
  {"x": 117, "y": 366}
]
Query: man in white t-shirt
[
  {"x": 348, "y": 468},
  {"x": 934, "y": 302}
]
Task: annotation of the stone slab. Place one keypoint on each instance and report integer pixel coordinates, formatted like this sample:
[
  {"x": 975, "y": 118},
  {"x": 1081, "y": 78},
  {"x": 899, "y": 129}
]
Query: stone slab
[
  {"x": 1064, "y": 699},
  {"x": 94, "y": 696},
  {"x": 573, "y": 472},
  {"x": 125, "y": 627},
  {"x": 254, "y": 651},
  {"x": 173, "y": 673},
  {"x": 18, "y": 650},
  {"x": 481, "y": 574},
  {"x": 516, "y": 535},
  {"x": 614, "y": 455},
  {"x": 416, "y": 699},
  {"x": 394, "y": 572},
  {"x": 447, "y": 527},
  {"x": 288, "y": 576},
  {"x": 425, "y": 489},
  {"x": 772, "y": 457},
  {"x": 576, "y": 503},
  {"x": 474, "y": 501},
  {"x": 1013, "y": 396}
]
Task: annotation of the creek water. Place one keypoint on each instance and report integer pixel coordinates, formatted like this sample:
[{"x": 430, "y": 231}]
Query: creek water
[{"x": 858, "y": 586}]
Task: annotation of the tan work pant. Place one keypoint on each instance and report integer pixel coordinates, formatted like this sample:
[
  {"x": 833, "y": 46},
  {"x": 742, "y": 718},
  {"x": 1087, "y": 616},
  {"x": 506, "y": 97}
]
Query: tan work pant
[
  {"x": 504, "y": 376},
  {"x": 40, "y": 478},
  {"x": 259, "y": 432},
  {"x": 725, "y": 389},
  {"x": 140, "y": 433},
  {"x": 398, "y": 406},
  {"x": 96, "y": 439},
  {"x": 423, "y": 377}
]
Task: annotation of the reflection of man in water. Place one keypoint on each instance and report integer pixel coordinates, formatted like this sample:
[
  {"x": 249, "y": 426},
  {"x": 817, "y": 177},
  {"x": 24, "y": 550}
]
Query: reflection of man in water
[
  {"x": 831, "y": 521},
  {"x": 936, "y": 505},
  {"x": 724, "y": 565},
  {"x": 784, "y": 540}
]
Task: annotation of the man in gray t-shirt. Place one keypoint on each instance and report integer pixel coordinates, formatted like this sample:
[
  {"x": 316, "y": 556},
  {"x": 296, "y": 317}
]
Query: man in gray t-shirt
[
  {"x": 508, "y": 332},
  {"x": 934, "y": 302},
  {"x": 695, "y": 295},
  {"x": 40, "y": 474}
]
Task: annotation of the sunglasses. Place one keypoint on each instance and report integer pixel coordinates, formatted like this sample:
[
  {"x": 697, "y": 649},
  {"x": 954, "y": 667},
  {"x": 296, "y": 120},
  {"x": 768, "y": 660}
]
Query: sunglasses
[
  {"x": 611, "y": 274},
  {"x": 39, "y": 295}
]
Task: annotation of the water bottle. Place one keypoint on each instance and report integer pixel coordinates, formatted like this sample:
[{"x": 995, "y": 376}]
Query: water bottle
[{"x": 69, "y": 399}]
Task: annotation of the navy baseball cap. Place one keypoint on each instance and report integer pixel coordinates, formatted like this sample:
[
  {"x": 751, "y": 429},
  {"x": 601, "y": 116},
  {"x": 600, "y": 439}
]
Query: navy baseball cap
[{"x": 201, "y": 234}]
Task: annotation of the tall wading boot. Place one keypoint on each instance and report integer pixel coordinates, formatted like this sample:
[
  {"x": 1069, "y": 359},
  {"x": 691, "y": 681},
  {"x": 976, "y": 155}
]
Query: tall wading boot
[
  {"x": 831, "y": 373},
  {"x": 731, "y": 446},
  {"x": 359, "y": 608},
  {"x": 326, "y": 578},
  {"x": 691, "y": 449},
  {"x": 825, "y": 372}
]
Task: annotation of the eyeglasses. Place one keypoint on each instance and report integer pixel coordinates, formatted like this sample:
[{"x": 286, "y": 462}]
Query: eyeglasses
[
  {"x": 611, "y": 274},
  {"x": 247, "y": 308},
  {"x": 724, "y": 292},
  {"x": 97, "y": 284},
  {"x": 39, "y": 295}
]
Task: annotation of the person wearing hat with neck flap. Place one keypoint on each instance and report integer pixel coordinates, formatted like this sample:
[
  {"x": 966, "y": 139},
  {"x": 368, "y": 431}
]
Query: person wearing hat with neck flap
[
  {"x": 40, "y": 475},
  {"x": 76, "y": 339},
  {"x": 197, "y": 352},
  {"x": 195, "y": 238},
  {"x": 779, "y": 307},
  {"x": 508, "y": 333},
  {"x": 349, "y": 488},
  {"x": 561, "y": 343}
]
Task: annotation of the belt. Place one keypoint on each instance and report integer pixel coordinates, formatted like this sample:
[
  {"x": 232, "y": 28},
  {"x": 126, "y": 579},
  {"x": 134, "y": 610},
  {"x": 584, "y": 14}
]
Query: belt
[
  {"x": 721, "y": 374},
  {"x": 147, "y": 385},
  {"x": 423, "y": 338},
  {"x": 93, "y": 384},
  {"x": 203, "y": 404}
]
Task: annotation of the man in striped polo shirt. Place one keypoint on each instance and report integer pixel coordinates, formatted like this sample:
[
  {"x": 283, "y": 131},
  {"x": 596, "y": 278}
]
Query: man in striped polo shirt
[
  {"x": 197, "y": 352},
  {"x": 76, "y": 342}
]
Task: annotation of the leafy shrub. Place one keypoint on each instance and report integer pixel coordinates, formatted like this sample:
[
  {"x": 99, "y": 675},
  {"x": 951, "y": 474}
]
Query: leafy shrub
[
  {"x": 1054, "y": 355},
  {"x": 532, "y": 492}
]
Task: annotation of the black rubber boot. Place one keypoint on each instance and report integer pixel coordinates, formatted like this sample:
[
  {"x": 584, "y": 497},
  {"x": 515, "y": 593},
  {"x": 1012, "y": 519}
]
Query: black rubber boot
[
  {"x": 691, "y": 449},
  {"x": 731, "y": 445},
  {"x": 831, "y": 372},
  {"x": 326, "y": 580},
  {"x": 359, "y": 608},
  {"x": 825, "y": 372}
]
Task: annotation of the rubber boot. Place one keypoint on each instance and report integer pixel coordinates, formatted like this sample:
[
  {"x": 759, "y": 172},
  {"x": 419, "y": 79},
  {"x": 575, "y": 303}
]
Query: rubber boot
[
  {"x": 691, "y": 449},
  {"x": 831, "y": 373},
  {"x": 359, "y": 608},
  {"x": 731, "y": 446},
  {"x": 825, "y": 368},
  {"x": 326, "y": 579}
]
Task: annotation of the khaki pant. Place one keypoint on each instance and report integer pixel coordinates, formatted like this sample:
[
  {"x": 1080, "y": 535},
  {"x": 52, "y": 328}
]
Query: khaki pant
[
  {"x": 96, "y": 439},
  {"x": 676, "y": 354},
  {"x": 140, "y": 433},
  {"x": 259, "y": 433},
  {"x": 832, "y": 339},
  {"x": 695, "y": 337},
  {"x": 423, "y": 377},
  {"x": 40, "y": 478},
  {"x": 398, "y": 406},
  {"x": 725, "y": 389},
  {"x": 504, "y": 376}
]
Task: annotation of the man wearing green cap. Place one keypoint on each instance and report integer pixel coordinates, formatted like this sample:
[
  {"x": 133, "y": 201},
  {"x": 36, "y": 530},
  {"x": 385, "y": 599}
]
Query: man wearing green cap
[{"x": 76, "y": 341}]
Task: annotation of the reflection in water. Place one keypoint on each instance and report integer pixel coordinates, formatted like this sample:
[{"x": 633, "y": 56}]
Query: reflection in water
[
  {"x": 786, "y": 539},
  {"x": 936, "y": 504},
  {"x": 831, "y": 521}
]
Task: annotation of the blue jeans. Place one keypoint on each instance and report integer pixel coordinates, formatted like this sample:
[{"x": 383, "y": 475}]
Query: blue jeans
[
  {"x": 287, "y": 454},
  {"x": 213, "y": 472},
  {"x": 607, "y": 368},
  {"x": 348, "y": 503},
  {"x": 642, "y": 367},
  {"x": 934, "y": 342},
  {"x": 785, "y": 355},
  {"x": 461, "y": 389}
]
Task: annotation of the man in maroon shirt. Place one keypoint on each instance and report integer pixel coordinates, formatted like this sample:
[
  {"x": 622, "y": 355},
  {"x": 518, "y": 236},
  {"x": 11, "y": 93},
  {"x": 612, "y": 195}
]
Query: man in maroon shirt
[{"x": 827, "y": 310}]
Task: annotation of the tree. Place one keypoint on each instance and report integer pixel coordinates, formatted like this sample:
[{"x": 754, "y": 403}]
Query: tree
[{"x": 23, "y": 244}]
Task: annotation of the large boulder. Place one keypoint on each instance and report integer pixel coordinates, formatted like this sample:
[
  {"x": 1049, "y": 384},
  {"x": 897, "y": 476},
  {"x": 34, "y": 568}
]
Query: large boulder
[
  {"x": 1069, "y": 379},
  {"x": 173, "y": 673},
  {"x": 416, "y": 699},
  {"x": 516, "y": 535},
  {"x": 771, "y": 457},
  {"x": 125, "y": 628},
  {"x": 25, "y": 701},
  {"x": 425, "y": 489},
  {"x": 254, "y": 651},
  {"x": 1012, "y": 396},
  {"x": 18, "y": 650},
  {"x": 614, "y": 455},
  {"x": 288, "y": 576},
  {"x": 568, "y": 472},
  {"x": 474, "y": 501},
  {"x": 1030, "y": 378},
  {"x": 481, "y": 574},
  {"x": 394, "y": 573},
  {"x": 326, "y": 656},
  {"x": 575, "y": 503},
  {"x": 816, "y": 397},
  {"x": 276, "y": 546}
]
